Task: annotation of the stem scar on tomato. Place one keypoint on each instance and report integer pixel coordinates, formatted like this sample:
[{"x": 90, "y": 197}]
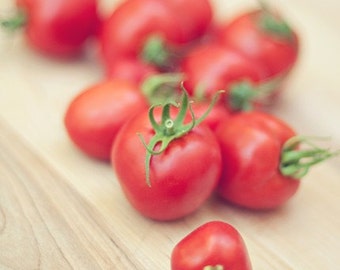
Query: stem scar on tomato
[
  {"x": 296, "y": 162},
  {"x": 170, "y": 129}
]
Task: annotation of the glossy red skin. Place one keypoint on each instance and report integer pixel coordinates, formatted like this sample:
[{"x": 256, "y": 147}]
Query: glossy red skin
[
  {"x": 126, "y": 30},
  {"x": 130, "y": 69},
  {"x": 217, "y": 67},
  {"x": 94, "y": 117},
  {"x": 245, "y": 35},
  {"x": 181, "y": 178},
  {"x": 195, "y": 17},
  {"x": 61, "y": 27},
  {"x": 213, "y": 243},
  {"x": 217, "y": 114},
  {"x": 251, "y": 144}
]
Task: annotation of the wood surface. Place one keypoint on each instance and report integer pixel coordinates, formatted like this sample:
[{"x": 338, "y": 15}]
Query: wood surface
[{"x": 62, "y": 210}]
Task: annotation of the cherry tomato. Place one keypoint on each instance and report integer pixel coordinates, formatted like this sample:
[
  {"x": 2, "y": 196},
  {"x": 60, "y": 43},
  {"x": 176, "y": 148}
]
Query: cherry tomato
[
  {"x": 134, "y": 23},
  {"x": 264, "y": 37},
  {"x": 263, "y": 160},
  {"x": 211, "y": 67},
  {"x": 60, "y": 27},
  {"x": 155, "y": 32},
  {"x": 214, "y": 245},
  {"x": 94, "y": 117},
  {"x": 176, "y": 179}
]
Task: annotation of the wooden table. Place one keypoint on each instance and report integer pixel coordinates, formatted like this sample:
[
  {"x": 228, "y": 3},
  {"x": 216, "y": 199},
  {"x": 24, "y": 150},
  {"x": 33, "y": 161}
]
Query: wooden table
[{"x": 62, "y": 210}]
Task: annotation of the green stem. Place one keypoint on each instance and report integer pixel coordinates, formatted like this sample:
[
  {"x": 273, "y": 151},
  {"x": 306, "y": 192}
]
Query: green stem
[
  {"x": 170, "y": 129},
  {"x": 296, "y": 161},
  {"x": 272, "y": 23},
  {"x": 156, "y": 52},
  {"x": 244, "y": 94},
  {"x": 161, "y": 88},
  {"x": 15, "y": 22}
]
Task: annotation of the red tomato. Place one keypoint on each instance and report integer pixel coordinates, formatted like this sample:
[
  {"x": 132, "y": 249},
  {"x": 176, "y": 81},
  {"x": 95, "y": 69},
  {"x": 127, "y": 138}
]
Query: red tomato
[
  {"x": 180, "y": 178},
  {"x": 131, "y": 24},
  {"x": 251, "y": 144},
  {"x": 211, "y": 67},
  {"x": 94, "y": 117},
  {"x": 155, "y": 32},
  {"x": 213, "y": 245},
  {"x": 60, "y": 27},
  {"x": 263, "y": 37}
]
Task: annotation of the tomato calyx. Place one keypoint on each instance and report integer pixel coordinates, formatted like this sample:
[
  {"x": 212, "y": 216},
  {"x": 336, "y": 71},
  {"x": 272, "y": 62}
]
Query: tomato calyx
[
  {"x": 244, "y": 94},
  {"x": 273, "y": 24},
  {"x": 295, "y": 161},
  {"x": 161, "y": 88},
  {"x": 156, "y": 52},
  {"x": 216, "y": 267},
  {"x": 15, "y": 22},
  {"x": 170, "y": 129}
]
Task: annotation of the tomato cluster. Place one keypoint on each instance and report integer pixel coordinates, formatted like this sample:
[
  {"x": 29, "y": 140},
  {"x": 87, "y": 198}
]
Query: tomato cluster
[{"x": 180, "y": 112}]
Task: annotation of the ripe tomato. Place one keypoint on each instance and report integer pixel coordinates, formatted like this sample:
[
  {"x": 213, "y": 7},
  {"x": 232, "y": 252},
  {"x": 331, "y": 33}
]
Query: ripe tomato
[
  {"x": 94, "y": 117},
  {"x": 60, "y": 27},
  {"x": 152, "y": 31},
  {"x": 177, "y": 179},
  {"x": 264, "y": 37},
  {"x": 213, "y": 245},
  {"x": 212, "y": 67},
  {"x": 251, "y": 145},
  {"x": 263, "y": 160},
  {"x": 132, "y": 24}
]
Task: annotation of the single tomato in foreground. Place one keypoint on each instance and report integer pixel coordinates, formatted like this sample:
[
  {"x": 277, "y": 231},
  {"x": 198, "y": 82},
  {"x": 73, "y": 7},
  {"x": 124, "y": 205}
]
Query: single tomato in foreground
[
  {"x": 215, "y": 245},
  {"x": 263, "y": 160},
  {"x": 94, "y": 117},
  {"x": 167, "y": 167}
]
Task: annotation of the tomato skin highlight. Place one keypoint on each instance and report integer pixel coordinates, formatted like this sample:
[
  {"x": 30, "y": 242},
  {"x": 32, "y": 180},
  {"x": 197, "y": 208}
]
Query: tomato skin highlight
[
  {"x": 251, "y": 144},
  {"x": 211, "y": 244},
  {"x": 94, "y": 117},
  {"x": 245, "y": 35},
  {"x": 60, "y": 28},
  {"x": 182, "y": 177}
]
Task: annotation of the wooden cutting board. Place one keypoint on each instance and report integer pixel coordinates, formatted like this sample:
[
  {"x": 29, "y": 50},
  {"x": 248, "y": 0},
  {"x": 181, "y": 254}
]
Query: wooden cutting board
[{"x": 62, "y": 210}]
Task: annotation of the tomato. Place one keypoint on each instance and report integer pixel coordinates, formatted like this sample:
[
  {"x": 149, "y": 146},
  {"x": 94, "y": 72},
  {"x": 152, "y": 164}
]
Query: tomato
[
  {"x": 166, "y": 177},
  {"x": 214, "y": 245},
  {"x": 132, "y": 24},
  {"x": 155, "y": 32},
  {"x": 263, "y": 160},
  {"x": 211, "y": 67},
  {"x": 94, "y": 117},
  {"x": 264, "y": 37},
  {"x": 60, "y": 27}
]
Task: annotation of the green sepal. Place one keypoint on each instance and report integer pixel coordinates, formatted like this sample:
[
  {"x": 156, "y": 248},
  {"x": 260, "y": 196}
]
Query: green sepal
[
  {"x": 296, "y": 159},
  {"x": 170, "y": 129}
]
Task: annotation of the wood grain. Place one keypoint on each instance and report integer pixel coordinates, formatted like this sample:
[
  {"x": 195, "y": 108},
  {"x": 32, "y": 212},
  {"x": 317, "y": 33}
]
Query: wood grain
[{"x": 62, "y": 210}]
